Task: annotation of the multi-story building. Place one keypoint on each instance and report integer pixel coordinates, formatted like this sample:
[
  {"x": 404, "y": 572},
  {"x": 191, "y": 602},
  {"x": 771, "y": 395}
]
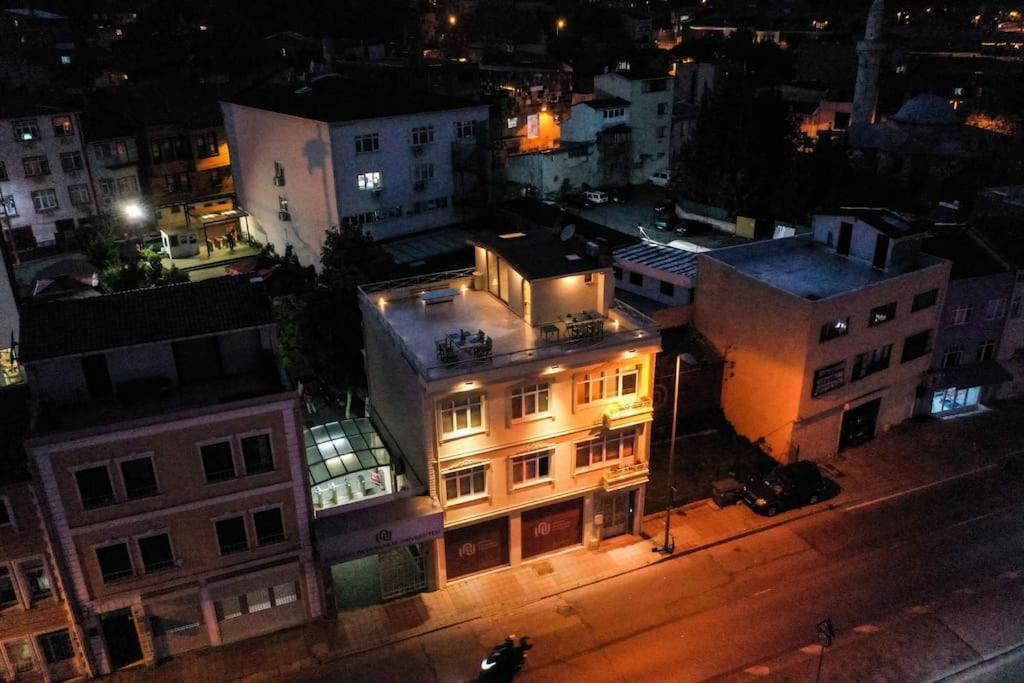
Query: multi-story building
[
  {"x": 825, "y": 335},
  {"x": 10, "y": 370},
  {"x": 965, "y": 370},
  {"x": 113, "y": 157},
  {"x": 45, "y": 189},
  {"x": 522, "y": 389},
  {"x": 340, "y": 151},
  {"x": 650, "y": 96},
  {"x": 170, "y": 467}
]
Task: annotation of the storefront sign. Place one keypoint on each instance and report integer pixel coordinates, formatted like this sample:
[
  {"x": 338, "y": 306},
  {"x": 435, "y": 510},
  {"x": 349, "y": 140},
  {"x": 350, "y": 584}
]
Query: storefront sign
[
  {"x": 550, "y": 528},
  {"x": 475, "y": 548},
  {"x": 370, "y": 531},
  {"x": 828, "y": 378}
]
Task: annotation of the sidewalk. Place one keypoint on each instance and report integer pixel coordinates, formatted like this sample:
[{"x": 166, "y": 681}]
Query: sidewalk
[{"x": 912, "y": 455}]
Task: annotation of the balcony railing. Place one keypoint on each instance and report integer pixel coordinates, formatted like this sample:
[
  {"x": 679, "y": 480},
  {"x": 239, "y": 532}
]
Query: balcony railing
[
  {"x": 620, "y": 415},
  {"x": 624, "y": 476}
]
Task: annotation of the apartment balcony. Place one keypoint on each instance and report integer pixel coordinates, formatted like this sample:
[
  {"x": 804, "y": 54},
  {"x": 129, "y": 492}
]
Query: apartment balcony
[
  {"x": 625, "y": 476},
  {"x": 622, "y": 415}
]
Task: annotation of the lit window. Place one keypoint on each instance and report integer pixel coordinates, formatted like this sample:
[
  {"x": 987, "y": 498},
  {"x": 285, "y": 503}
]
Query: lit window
[
  {"x": 37, "y": 579},
  {"x": 531, "y": 468},
  {"x": 604, "y": 449},
  {"x": 882, "y": 314},
  {"x": 834, "y": 328},
  {"x": 512, "y": 121},
  {"x": 462, "y": 415},
  {"x": 370, "y": 180},
  {"x": 599, "y": 385},
  {"x": 62, "y": 126},
  {"x": 26, "y": 131},
  {"x": 531, "y": 400},
  {"x": 464, "y": 484}
]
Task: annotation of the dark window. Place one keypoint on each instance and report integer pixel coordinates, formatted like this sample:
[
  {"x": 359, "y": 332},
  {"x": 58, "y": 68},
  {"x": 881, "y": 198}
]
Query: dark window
[
  {"x": 7, "y": 594},
  {"x": 94, "y": 487},
  {"x": 71, "y": 161},
  {"x": 951, "y": 357},
  {"x": 197, "y": 359},
  {"x": 881, "y": 251},
  {"x": 925, "y": 300},
  {"x": 115, "y": 562},
  {"x": 257, "y": 454},
  {"x": 666, "y": 288},
  {"x": 156, "y": 552},
  {"x": 139, "y": 477},
  {"x": 56, "y": 646},
  {"x": 986, "y": 350},
  {"x": 218, "y": 465},
  {"x": 916, "y": 345},
  {"x": 206, "y": 145},
  {"x": 97, "y": 376},
  {"x": 834, "y": 328},
  {"x": 636, "y": 279},
  {"x": 5, "y": 514},
  {"x": 231, "y": 535},
  {"x": 870, "y": 362},
  {"x": 882, "y": 314},
  {"x": 617, "y": 272},
  {"x": 845, "y": 237},
  {"x": 828, "y": 378},
  {"x": 269, "y": 526}
]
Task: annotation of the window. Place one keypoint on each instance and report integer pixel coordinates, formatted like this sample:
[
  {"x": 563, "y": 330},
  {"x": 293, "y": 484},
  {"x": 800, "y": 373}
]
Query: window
[
  {"x": 218, "y": 463},
  {"x": 962, "y": 315},
  {"x": 8, "y": 596},
  {"x": 422, "y": 135},
  {"x": 36, "y": 166},
  {"x": 636, "y": 279},
  {"x": 106, "y": 187},
  {"x": 1015, "y": 306},
  {"x": 530, "y": 400},
  {"x": 115, "y": 562},
  {"x": 598, "y": 385},
  {"x": 995, "y": 309},
  {"x": 666, "y": 288},
  {"x": 128, "y": 185},
  {"x": 258, "y": 600},
  {"x": 44, "y": 200},
  {"x": 37, "y": 579},
  {"x": 369, "y": 181},
  {"x": 662, "y": 108},
  {"x": 465, "y": 483},
  {"x": 603, "y": 449},
  {"x": 169, "y": 149},
  {"x": 177, "y": 182},
  {"x": 62, "y": 126},
  {"x": 660, "y": 132},
  {"x": 834, "y": 329},
  {"x": 925, "y": 300},
  {"x": 462, "y": 415},
  {"x": 916, "y": 345},
  {"x": 951, "y": 357},
  {"x": 139, "y": 477},
  {"x": 367, "y": 143},
  {"x": 229, "y": 608},
  {"x": 255, "y": 601},
  {"x": 464, "y": 129},
  {"x": 156, "y": 552},
  {"x": 269, "y": 526},
  {"x": 531, "y": 468},
  {"x": 284, "y": 594},
  {"x": 614, "y": 112},
  {"x": 79, "y": 194},
  {"x": 278, "y": 174},
  {"x": 512, "y": 122},
  {"x": 26, "y": 130},
  {"x": 870, "y": 362},
  {"x": 617, "y": 272},
  {"x": 987, "y": 350},
  {"x": 56, "y": 646},
  {"x": 71, "y": 161},
  {"x": 422, "y": 172},
  {"x": 882, "y": 314},
  {"x": 3, "y": 172},
  {"x": 94, "y": 486},
  {"x": 588, "y": 278},
  {"x": 6, "y": 518},
  {"x": 231, "y": 536},
  {"x": 206, "y": 145},
  {"x": 257, "y": 454}
]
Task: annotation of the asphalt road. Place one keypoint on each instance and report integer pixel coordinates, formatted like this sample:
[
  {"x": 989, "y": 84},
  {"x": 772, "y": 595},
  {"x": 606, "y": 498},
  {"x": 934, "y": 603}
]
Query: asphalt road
[{"x": 918, "y": 586}]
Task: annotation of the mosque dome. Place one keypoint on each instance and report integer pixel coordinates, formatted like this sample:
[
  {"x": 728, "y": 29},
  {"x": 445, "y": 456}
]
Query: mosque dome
[{"x": 927, "y": 110}]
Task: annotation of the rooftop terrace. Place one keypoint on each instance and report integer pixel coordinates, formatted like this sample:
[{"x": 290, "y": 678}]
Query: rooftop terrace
[{"x": 418, "y": 326}]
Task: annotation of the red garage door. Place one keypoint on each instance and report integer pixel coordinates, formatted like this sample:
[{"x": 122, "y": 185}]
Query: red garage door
[
  {"x": 475, "y": 548},
  {"x": 552, "y": 527}
]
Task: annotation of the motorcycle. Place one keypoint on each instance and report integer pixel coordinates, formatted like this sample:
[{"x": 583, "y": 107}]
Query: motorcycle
[{"x": 505, "y": 660}]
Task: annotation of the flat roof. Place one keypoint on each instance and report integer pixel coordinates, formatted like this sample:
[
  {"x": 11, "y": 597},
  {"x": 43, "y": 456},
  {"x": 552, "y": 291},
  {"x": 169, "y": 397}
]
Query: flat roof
[
  {"x": 805, "y": 269},
  {"x": 885, "y": 221},
  {"x": 541, "y": 253},
  {"x": 659, "y": 257}
]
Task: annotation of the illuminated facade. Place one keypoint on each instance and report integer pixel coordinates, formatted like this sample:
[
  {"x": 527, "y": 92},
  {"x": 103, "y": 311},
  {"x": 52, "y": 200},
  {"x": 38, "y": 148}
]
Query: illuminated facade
[
  {"x": 825, "y": 335},
  {"x": 527, "y": 388}
]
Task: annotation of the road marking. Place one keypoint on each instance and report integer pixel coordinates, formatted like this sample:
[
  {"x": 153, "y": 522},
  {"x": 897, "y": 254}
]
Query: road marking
[
  {"x": 766, "y": 590},
  {"x": 922, "y": 487},
  {"x": 758, "y": 671},
  {"x": 974, "y": 519},
  {"x": 811, "y": 649},
  {"x": 1010, "y": 575},
  {"x": 866, "y": 628}
]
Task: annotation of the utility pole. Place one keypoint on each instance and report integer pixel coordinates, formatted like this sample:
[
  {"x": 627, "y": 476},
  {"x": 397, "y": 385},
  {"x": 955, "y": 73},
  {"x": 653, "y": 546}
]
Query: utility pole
[{"x": 669, "y": 545}]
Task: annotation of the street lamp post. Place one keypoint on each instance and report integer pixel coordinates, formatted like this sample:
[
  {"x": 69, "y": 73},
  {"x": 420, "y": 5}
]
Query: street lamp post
[{"x": 669, "y": 546}]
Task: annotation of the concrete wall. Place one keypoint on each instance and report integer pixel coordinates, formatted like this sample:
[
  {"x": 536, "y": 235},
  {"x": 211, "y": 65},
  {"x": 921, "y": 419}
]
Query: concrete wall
[
  {"x": 650, "y": 287},
  {"x": 551, "y": 172},
  {"x": 554, "y": 297},
  {"x": 650, "y": 151}
]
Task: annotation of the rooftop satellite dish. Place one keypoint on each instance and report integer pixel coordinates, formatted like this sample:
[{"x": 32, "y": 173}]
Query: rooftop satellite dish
[
  {"x": 567, "y": 232},
  {"x": 643, "y": 233}
]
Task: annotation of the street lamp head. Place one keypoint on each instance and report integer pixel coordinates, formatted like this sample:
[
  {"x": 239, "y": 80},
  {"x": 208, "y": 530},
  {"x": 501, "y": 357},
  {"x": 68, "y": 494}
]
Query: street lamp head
[
  {"x": 560, "y": 24},
  {"x": 452, "y": 20},
  {"x": 133, "y": 211}
]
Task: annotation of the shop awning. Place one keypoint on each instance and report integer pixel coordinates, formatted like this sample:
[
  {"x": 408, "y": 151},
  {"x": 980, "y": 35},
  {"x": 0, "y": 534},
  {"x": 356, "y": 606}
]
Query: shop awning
[
  {"x": 973, "y": 375},
  {"x": 344, "y": 535}
]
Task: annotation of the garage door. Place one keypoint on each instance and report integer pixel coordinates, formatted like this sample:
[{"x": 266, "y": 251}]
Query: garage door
[
  {"x": 475, "y": 548},
  {"x": 552, "y": 527}
]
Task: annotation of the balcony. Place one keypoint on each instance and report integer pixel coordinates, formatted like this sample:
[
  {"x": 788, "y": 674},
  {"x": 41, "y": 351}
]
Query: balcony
[
  {"x": 625, "y": 476},
  {"x": 622, "y": 415}
]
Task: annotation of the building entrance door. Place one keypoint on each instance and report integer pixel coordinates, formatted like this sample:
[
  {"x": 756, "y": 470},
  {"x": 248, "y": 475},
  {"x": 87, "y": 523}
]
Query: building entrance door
[
  {"x": 859, "y": 424},
  {"x": 617, "y": 510},
  {"x": 401, "y": 572},
  {"x": 121, "y": 638}
]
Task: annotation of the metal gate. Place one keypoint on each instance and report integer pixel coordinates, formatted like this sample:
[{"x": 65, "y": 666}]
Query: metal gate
[{"x": 401, "y": 572}]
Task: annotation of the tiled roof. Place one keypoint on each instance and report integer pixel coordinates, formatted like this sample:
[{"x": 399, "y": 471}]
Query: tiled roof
[{"x": 142, "y": 316}]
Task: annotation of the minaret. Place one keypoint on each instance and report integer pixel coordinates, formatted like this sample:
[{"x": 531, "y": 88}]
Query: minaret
[{"x": 869, "y": 61}]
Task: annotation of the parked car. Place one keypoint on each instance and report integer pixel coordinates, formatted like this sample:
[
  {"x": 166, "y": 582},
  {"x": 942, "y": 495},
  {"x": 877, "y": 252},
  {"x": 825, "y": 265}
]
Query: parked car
[
  {"x": 726, "y": 492},
  {"x": 660, "y": 178},
  {"x": 618, "y": 195},
  {"x": 789, "y": 486},
  {"x": 596, "y": 197}
]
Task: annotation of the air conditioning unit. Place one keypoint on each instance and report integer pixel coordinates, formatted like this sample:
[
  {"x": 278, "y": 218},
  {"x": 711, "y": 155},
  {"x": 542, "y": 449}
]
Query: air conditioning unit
[
  {"x": 284, "y": 215},
  {"x": 279, "y": 180},
  {"x": 417, "y": 150}
]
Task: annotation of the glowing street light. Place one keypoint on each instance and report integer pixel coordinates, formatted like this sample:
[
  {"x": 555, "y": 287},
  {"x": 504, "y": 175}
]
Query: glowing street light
[
  {"x": 559, "y": 25},
  {"x": 452, "y": 20},
  {"x": 133, "y": 211}
]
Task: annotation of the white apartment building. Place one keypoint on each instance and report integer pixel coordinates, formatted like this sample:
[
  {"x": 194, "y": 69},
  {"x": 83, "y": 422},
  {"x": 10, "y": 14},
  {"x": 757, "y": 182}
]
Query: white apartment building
[
  {"x": 114, "y": 160},
  {"x": 527, "y": 389},
  {"x": 45, "y": 189},
  {"x": 306, "y": 157},
  {"x": 650, "y": 117}
]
